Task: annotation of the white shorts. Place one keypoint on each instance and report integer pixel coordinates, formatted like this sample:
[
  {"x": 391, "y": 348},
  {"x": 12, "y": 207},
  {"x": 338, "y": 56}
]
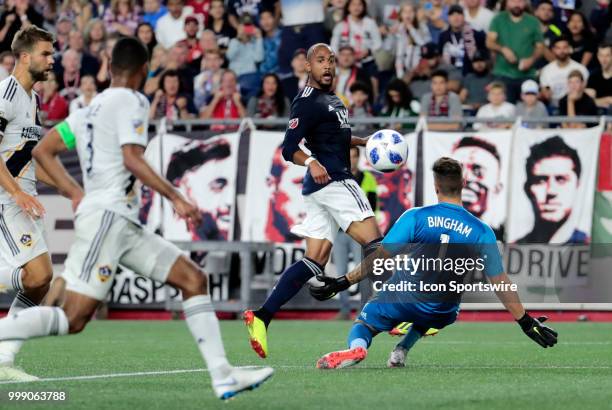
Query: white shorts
[
  {"x": 21, "y": 236},
  {"x": 331, "y": 208},
  {"x": 103, "y": 240}
]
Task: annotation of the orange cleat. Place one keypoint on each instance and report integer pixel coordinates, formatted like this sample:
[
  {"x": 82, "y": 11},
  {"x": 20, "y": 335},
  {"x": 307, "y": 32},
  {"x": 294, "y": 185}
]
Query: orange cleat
[{"x": 342, "y": 358}]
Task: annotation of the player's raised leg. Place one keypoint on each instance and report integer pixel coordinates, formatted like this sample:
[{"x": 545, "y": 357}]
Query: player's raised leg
[
  {"x": 203, "y": 324},
  {"x": 290, "y": 283}
]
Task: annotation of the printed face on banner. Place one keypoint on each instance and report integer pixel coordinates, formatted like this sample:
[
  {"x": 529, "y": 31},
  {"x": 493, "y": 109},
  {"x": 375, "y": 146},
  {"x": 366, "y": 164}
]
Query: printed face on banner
[{"x": 554, "y": 174}]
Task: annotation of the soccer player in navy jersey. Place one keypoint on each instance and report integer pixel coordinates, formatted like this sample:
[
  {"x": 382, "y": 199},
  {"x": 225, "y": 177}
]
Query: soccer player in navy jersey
[
  {"x": 450, "y": 230},
  {"x": 333, "y": 198}
]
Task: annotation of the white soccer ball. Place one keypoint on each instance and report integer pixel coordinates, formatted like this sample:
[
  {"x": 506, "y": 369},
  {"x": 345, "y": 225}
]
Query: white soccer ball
[{"x": 387, "y": 150}]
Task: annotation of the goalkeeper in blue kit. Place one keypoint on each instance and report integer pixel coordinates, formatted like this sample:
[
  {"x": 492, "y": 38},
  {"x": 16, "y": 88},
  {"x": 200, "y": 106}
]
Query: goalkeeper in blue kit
[{"x": 453, "y": 232}]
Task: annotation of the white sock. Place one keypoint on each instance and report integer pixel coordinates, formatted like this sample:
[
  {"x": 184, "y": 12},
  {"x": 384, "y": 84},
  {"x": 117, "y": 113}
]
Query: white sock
[
  {"x": 10, "y": 278},
  {"x": 10, "y": 348},
  {"x": 358, "y": 343},
  {"x": 33, "y": 322},
  {"x": 204, "y": 326}
]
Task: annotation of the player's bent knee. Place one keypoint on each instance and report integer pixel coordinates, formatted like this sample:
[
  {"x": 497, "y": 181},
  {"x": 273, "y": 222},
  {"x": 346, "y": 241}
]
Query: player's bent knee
[
  {"x": 188, "y": 277},
  {"x": 36, "y": 279},
  {"x": 76, "y": 321}
]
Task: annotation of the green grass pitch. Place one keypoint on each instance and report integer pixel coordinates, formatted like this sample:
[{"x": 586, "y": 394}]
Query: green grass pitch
[{"x": 467, "y": 366}]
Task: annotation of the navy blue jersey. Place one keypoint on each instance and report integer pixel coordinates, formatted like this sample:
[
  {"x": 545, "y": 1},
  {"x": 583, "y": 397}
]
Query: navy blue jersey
[
  {"x": 444, "y": 223},
  {"x": 321, "y": 119}
]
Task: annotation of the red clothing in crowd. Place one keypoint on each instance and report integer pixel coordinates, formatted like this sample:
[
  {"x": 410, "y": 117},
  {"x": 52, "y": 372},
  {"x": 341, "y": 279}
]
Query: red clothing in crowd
[
  {"x": 226, "y": 108},
  {"x": 56, "y": 108},
  {"x": 201, "y": 8}
]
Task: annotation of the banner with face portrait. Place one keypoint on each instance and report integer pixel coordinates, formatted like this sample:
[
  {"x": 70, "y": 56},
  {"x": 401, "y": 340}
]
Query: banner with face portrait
[
  {"x": 396, "y": 190},
  {"x": 485, "y": 156},
  {"x": 205, "y": 172},
  {"x": 553, "y": 185}
]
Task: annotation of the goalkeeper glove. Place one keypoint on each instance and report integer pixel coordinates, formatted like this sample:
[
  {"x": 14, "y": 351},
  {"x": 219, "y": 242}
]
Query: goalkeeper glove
[
  {"x": 542, "y": 335},
  {"x": 330, "y": 288}
]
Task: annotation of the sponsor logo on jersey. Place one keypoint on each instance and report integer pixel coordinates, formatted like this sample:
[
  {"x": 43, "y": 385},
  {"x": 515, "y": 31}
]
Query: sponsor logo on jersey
[
  {"x": 26, "y": 240},
  {"x": 33, "y": 133},
  {"x": 343, "y": 118},
  {"x": 138, "y": 126},
  {"x": 104, "y": 273},
  {"x": 293, "y": 123}
]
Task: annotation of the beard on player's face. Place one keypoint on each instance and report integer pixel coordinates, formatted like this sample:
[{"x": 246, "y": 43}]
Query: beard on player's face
[
  {"x": 38, "y": 74},
  {"x": 324, "y": 80}
]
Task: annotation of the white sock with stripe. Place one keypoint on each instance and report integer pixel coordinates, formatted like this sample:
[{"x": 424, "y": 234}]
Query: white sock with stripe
[
  {"x": 33, "y": 322},
  {"x": 10, "y": 279},
  {"x": 204, "y": 326},
  {"x": 9, "y": 349}
]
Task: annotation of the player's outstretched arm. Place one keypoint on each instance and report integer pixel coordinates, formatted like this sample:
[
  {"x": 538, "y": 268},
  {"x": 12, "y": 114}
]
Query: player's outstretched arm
[
  {"x": 532, "y": 327},
  {"x": 134, "y": 161},
  {"x": 50, "y": 169}
]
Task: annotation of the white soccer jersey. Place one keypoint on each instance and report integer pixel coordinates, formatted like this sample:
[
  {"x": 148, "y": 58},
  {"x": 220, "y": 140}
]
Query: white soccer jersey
[
  {"x": 20, "y": 130},
  {"x": 116, "y": 117}
]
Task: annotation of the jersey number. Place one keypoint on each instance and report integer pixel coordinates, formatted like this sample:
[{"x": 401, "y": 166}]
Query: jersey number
[{"x": 90, "y": 151}]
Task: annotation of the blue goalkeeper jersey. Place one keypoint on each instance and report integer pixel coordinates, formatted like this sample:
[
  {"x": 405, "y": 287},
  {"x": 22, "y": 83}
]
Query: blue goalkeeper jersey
[{"x": 443, "y": 223}]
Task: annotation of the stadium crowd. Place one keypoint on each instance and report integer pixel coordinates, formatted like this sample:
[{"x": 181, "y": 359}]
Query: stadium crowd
[{"x": 237, "y": 58}]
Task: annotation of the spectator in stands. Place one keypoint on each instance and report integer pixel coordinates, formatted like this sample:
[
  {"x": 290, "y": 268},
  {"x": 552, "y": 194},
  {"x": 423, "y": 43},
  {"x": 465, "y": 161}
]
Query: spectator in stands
[
  {"x": 410, "y": 35},
  {"x": 581, "y": 39},
  {"x": 240, "y": 9},
  {"x": 398, "y": 104},
  {"x": 270, "y": 102},
  {"x": 577, "y": 102},
  {"x": 420, "y": 78},
  {"x": 441, "y": 102},
  {"x": 600, "y": 82},
  {"x": 334, "y": 15},
  {"x": 460, "y": 42},
  {"x": 553, "y": 77},
  {"x": 177, "y": 60},
  {"x": 530, "y": 107},
  {"x": 436, "y": 14},
  {"x": 191, "y": 41},
  {"x": 169, "y": 102},
  {"x": 302, "y": 27},
  {"x": 243, "y": 54},
  {"x": 474, "y": 84},
  {"x": 95, "y": 38},
  {"x": 361, "y": 107},
  {"x": 62, "y": 30},
  {"x": 545, "y": 13},
  {"x": 226, "y": 103},
  {"x": 103, "y": 76},
  {"x": 517, "y": 39},
  {"x": 79, "y": 11},
  {"x": 88, "y": 92},
  {"x": 201, "y": 9},
  {"x": 497, "y": 107},
  {"x": 295, "y": 81},
  {"x": 271, "y": 42},
  {"x": 219, "y": 24},
  {"x": 207, "y": 82},
  {"x": 361, "y": 32},
  {"x": 601, "y": 19},
  {"x": 157, "y": 65},
  {"x": 53, "y": 105},
  {"x": 69, "y": 75},
  {"x": 170, "y": 27},
  {"x": 146, "y": 34},
  {"x": 385, "y": 13},
  {"x": 153, "y": 11},
  {"x": 19, "y": 15},
  {"x": 478, "y": 16},
  {"x": 7, "y": 61},
  {"x": 347, "y": 73},
  {"x": 121, "y": 17},
  {"x": 88, "y": 63}
]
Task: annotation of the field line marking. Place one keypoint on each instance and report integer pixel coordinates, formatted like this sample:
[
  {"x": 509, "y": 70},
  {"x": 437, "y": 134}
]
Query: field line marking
[{"x": 184, "y": 371}]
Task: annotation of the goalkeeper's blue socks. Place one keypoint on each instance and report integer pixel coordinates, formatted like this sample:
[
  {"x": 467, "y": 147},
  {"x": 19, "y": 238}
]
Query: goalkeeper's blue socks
[
  {"x": 413, "y": 335},
  {"x": 288, "y": 286},
  {"x": 360, "y": 336}
]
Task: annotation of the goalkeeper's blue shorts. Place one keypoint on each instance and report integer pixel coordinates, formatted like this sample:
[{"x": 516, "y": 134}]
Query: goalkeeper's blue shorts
[{"x": 385, "y": 316}]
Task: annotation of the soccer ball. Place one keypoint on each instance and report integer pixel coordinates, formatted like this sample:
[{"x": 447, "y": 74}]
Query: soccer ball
[{"x": 387, "y": 150}]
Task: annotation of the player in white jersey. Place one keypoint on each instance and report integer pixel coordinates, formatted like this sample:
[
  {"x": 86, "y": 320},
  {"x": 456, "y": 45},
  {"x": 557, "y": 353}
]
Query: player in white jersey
[
  {"x": 25, "y": 266},
  {"x": 110, "y": 136}
]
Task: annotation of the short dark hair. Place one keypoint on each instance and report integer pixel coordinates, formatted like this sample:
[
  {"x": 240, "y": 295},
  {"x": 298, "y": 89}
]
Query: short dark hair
[
  {"x": 26, "y": 38},
  {"x": 480, "y": 143},
  {"x": 604, "y": 45},
  {"x": 552, "y": 147},
  {"x": 440, "y": 73},
  {"x": 577, "y": 74},
  {"x": 129, "y": 55},
  {"x": 363, "y": 13},
  {"x": 558, "y": 40},
  {"x": 549, "y": 2},
  {"x": 360, "y": 86},
  {"x": 448, "y": 175},
  {"x": 166, "y": 74}
]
